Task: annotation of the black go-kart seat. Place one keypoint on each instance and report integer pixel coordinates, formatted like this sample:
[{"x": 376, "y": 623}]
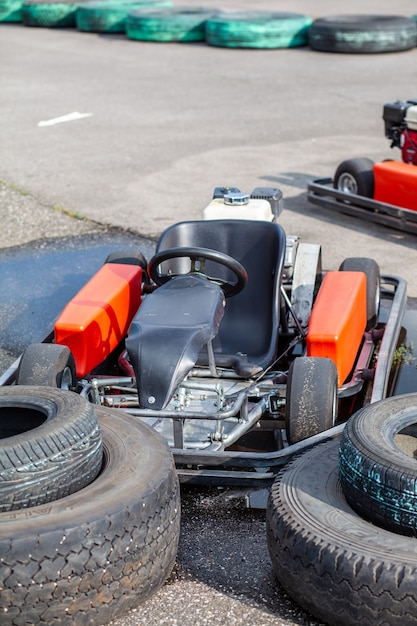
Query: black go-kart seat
[
  {"x": 162, "y": 349},
  {"x": 247, "y": 339}
]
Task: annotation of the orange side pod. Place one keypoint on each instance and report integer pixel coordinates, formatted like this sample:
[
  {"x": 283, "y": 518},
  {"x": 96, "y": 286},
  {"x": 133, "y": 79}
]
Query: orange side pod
[
  {"x": 338, "y": 320},
  {"x": 396, "y": 183},
  {"x": 95, "y": 321}
]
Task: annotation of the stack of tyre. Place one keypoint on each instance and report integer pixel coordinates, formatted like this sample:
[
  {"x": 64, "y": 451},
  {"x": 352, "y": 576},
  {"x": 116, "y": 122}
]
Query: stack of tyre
[
  {"x": 89, "y": 509},
  {"x": 342, "y": 520}
]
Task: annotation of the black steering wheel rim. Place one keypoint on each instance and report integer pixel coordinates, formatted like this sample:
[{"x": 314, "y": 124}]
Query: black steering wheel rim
[{"x": 200, "y": 254}]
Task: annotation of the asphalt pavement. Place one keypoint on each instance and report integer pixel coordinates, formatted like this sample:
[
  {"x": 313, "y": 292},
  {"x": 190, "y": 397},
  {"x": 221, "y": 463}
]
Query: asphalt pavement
[{"x": 168, "y": 123}]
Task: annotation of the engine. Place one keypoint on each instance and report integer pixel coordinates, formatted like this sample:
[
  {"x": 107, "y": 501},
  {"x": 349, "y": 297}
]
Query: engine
[{"x": 400, "y": 119}]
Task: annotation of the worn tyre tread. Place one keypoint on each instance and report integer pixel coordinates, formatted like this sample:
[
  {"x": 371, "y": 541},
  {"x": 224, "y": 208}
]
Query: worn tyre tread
[
  {"x": 336, "y": 565},
  {"x": 378, "y": 478},
  {"x": 55, "y": 458},
  {"x": 93, "y": 556},
  {"x": 310, "y": 388}
]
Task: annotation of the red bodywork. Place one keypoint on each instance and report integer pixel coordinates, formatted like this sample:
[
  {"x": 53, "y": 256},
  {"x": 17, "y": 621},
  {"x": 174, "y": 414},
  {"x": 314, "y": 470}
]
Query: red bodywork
[
  {"x": 96, "y": 320},
  {"x": 338, "y": 320},
  {"x": 396, "y": 183}
]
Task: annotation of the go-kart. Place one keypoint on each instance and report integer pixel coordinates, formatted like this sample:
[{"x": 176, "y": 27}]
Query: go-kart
[
  {"x": 231, "y": 341},
  {"x": 384, "y": 192}
]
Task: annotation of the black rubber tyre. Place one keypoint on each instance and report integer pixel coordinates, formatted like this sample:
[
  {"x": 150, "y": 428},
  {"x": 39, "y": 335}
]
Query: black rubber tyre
[
  {"x": 363, "y": 33},
  {"x": 127, "y": 257},
  {"x": 49, "y": 13},
  {"x": 378, "y": 466},
  {"x": 355, "y": 176},
  {"x": 339, "y": 567},
  {"x": 50, "y": 445},
  {"x": 373, "y": 285},
  {"x": 180, "y": 24},
  {"x": 311, "y": 405},
  {"x": 258, "y": 29},
  {"x": 109, "y": 16},
  {"x": 91, "y": 557},
  {"x": 10, "y": 11},
  {"x": 47, "y": 365}
]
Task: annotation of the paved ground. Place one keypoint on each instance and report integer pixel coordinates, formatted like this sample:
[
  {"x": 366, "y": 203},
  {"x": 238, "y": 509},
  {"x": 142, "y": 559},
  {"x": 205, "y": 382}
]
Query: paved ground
[{"x": 170, "y": 122}]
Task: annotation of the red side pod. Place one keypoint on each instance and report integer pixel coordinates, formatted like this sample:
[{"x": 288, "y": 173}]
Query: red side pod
[
  {"x": 95, "y": 321},
  {"x": 338, "y": 320},
  {"x": 396, "y": 183}
]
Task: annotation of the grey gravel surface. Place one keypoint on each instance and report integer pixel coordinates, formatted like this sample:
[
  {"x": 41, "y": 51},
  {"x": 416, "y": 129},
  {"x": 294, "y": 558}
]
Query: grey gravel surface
[{"x": 23, "y": 218}]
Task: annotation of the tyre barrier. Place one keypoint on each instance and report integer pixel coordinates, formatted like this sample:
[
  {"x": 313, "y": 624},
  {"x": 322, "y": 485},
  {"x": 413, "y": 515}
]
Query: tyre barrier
[
  {"x": 49, "y": 13},
  {"x": 355, "y": 34},
  {"x": 10, "y": 11},
  {"x": 109, "y": 16},
  {"x": 258, "y": 29},
  {"x": 183, "y": 25},
  {"x": 363, "y": 34},
  {"x": 96, "y": 554}
]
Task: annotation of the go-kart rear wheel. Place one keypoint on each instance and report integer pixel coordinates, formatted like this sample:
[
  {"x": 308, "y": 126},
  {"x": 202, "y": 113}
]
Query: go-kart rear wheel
[
  {"x": 47, "y": 365},
  {"x": 355, "y": 176},
  {"x": 127, "y": 257},
  {"x": 311, "y": 404},
  {"x": 373, "y": 285}
]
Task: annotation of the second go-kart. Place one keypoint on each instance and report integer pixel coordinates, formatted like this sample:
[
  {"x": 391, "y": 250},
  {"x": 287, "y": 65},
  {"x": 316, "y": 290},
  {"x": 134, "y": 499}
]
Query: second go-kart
[
  {"x": 231, "y": 341},
  {"x": 384, "y": 192}
]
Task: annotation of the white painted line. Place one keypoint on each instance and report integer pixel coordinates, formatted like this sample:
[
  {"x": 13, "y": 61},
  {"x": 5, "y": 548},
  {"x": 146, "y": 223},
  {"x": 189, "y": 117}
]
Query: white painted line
[{"x": 69, "y": 117}]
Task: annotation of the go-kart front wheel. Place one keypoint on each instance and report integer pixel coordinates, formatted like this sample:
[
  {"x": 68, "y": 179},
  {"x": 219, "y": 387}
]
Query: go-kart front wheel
[
  {"x": 47, "y": 365},
  {"x": 311, "y": 405}
]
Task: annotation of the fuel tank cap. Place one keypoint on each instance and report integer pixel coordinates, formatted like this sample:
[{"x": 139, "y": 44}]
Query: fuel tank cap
[{"x": 236, "y": 198}]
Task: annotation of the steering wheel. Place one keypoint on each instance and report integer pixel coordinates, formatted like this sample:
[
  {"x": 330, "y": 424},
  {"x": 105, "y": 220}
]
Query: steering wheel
[{"x": 198, "y": 257}]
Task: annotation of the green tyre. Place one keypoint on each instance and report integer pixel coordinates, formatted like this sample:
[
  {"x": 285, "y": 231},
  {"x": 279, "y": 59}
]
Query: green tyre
[
  {"x": 180, "y": 24},
  {"x": 10, "y": 11},
  {"x": 258, "y": 29},
  {"x": 109, "y": 16},
  {"x": 50, "y": 14}
]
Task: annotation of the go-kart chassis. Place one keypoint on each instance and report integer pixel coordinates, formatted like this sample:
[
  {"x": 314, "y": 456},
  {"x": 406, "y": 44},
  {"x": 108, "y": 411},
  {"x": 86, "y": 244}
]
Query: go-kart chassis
[
  {"x": 216, "y": 462},
  {"x": 322, "y": 193}
]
